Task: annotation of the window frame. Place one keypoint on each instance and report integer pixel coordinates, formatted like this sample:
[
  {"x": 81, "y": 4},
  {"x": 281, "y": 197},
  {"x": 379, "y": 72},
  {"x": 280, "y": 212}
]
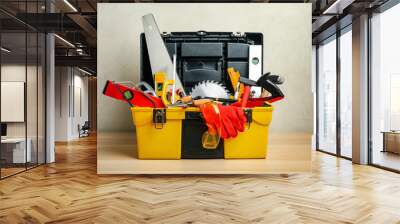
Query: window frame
[
  {"x": 381, "y": 9},
  {"x": 334, "y": 37}
]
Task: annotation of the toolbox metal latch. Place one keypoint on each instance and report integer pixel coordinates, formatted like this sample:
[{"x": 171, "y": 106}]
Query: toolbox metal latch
[
  {"x": 159, "y": 118},
  {"x": 249, "y": 116}
]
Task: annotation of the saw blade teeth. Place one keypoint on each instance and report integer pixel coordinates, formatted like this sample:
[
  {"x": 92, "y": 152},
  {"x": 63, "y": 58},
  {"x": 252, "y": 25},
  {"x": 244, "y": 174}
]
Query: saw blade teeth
[
  {"x": 193, "y": 89},
  {"x": 209, "y": 88}
]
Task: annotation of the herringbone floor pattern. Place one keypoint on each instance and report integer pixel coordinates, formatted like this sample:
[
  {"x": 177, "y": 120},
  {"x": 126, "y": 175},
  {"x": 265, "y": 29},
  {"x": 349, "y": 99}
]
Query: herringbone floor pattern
[{"x": 69, "y": 191}]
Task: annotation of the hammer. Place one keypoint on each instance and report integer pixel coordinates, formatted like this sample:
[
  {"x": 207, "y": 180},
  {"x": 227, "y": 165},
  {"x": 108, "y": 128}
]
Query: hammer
[
  {"x": 237, "y": 83},
  {"x": 267, "y": 81},
  {"x": 248, "y": 83}
]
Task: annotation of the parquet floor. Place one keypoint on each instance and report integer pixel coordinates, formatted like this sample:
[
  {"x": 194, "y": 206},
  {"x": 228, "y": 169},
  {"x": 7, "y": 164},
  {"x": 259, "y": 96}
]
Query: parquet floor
[{"x": 69, "y": 191}]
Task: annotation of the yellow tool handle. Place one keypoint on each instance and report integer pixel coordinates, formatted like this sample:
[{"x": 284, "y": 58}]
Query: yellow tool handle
[
  {"x": 165, "y": 91},
  {"x": 234, "y": 76},
  {"x": 159, "y": 79}
]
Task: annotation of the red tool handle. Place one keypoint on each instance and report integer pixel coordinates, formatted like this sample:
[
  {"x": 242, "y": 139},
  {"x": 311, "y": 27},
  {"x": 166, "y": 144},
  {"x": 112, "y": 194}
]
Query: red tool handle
[
  {"x": 246, "y": 94},
  {"x": 258, "y": 102},
  {"x": 138, "y": 97}
]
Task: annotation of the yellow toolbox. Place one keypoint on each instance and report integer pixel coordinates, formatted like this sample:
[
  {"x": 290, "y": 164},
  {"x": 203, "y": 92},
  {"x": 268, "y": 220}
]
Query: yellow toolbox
[
  {"x": 175, "y": 133},
  {"x": 253, "y": 142},
  {"x": 158, "y": 132}
]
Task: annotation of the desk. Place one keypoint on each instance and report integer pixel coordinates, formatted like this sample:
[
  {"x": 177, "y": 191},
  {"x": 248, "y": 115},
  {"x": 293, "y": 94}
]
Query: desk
[
  {"x": 13, "y": 150},
  {"x": 391, "y": 141}
]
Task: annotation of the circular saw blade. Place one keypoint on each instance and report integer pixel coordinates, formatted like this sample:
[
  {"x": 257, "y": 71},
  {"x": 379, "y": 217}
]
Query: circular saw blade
[{"x": 210, "y": 89}]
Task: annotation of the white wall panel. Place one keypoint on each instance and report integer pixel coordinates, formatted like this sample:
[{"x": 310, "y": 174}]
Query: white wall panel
[
  {"x": 287, "y": 50},
  {"x": 12, "y": 101}
]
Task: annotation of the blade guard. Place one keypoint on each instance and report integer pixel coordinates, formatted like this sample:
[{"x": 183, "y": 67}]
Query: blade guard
[{"x": 132, "y": 96}]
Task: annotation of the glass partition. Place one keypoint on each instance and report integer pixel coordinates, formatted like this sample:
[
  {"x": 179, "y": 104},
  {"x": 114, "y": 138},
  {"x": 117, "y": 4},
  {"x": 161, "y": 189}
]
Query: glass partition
[
  {"x": 32, "y": 97},
  {"x": 22, "y": 78},
  {"x": 327, "y": 96},
  {"x": 14, "y": 153}
]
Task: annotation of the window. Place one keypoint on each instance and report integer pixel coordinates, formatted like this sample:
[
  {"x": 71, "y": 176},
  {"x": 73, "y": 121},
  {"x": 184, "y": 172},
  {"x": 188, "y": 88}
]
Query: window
[
  {"x": 385, "y": 89},
  {"x": 334, "y": 137},
  {"x": 327, "y": 96},
  {"x": 346, "y": 93}
]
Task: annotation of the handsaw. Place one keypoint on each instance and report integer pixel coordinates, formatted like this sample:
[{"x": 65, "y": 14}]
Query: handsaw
[{"x": 160, "y": 61}]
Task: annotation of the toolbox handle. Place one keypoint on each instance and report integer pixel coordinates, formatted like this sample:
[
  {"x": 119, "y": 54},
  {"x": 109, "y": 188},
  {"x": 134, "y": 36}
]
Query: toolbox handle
[{"x": 261, "y": 123}]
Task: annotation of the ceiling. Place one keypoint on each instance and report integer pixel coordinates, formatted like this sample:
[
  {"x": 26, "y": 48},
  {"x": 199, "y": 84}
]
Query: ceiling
[{"x": 76, "y": 21}]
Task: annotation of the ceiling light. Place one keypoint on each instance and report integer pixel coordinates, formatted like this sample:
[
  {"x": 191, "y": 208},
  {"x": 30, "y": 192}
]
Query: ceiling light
[
  {"x": 79, "y": 51},
  {"x": 329, "y": 9},
  {"x": 84, "y": 71},
  {"x": 5, "y": 50},
  {"x": 338, "y": 6},
  {"x": 70, "y": 5},
  {"x": 65, "y": 41}
]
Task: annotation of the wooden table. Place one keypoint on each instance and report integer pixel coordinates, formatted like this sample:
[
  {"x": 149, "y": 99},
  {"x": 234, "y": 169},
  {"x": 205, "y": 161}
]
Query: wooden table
[
  {"x": 287, "y": 153},
  {"x": 391, "y": 141},
  {"x": 15, "y": 147}
]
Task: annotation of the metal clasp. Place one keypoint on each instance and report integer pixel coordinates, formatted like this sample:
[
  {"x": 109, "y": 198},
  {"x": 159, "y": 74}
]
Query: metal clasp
[
  {"x": 159, "y": 117},
  {"x": 249, "y": 116}
]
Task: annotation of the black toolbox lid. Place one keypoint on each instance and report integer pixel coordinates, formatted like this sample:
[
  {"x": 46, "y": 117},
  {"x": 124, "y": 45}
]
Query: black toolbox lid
[{"x": 203, "y": 55}]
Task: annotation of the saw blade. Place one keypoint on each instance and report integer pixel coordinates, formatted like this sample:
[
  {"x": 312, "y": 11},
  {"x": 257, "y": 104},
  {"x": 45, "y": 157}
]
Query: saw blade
[{"x": 210, "y": 89}]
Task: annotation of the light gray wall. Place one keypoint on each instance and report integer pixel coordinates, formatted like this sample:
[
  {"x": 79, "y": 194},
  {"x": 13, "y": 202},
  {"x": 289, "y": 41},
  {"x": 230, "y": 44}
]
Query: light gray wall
[
  {"x": 68, "y": 81},
  {"x": 62, "y": 81},
  {"x": 287, "y": 50}
]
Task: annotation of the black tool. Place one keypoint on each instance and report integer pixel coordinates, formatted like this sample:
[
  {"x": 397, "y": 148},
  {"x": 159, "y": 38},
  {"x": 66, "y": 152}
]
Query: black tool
[{"x": 269, "y": 82}]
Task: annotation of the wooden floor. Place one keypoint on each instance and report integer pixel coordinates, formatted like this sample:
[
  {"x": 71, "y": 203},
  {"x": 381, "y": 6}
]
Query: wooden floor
[
  {"x": 5, "y": 172},
  {"x": 70, "y": 191},
  {"x": 387, "y": 159}
]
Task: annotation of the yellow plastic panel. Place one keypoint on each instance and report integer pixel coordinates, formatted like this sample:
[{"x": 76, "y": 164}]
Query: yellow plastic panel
[
  {"x": 253, "y": 142},
  {"x": 162, "y": 141}
]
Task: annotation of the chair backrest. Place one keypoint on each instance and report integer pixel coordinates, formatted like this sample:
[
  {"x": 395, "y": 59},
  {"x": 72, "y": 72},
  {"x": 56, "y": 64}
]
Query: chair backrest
[{"x": 86, "y": 125}]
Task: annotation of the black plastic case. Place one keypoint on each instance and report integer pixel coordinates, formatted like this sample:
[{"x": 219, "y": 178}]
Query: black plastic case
[{"x": 202, "y": 56}]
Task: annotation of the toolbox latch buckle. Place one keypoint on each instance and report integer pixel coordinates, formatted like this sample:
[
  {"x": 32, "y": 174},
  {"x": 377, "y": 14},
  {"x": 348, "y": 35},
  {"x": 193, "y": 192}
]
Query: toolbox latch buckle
[
  {"x": 249, "y": 116},
  {"x": 159, "y": 118}
]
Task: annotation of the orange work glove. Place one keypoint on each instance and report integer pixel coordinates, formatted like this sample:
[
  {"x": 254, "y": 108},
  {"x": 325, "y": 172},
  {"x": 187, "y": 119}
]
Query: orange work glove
[
  {"x": 233, "y": 121},
  {"x": 225, "y": 121},
  {"x": 210, "y": 113}
]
